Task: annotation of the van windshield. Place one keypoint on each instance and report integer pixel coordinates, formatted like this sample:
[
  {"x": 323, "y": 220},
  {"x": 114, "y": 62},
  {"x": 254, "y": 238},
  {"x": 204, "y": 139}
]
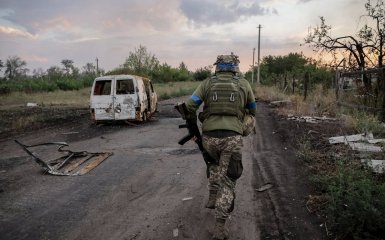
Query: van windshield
[
  {"x": 125, "y": 86},
  {"x": 102, "y": 87}
]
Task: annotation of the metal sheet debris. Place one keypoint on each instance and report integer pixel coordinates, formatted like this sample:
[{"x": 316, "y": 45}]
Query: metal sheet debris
[
  {"x": 365, "y": 144},
  {"x": 308, "y": 119},
  {"x": 31, "y": 104},
  {"x": 65, "y": 162},
  {"x": 364, "y": 147},
  {"x": 377, "y": 166},
  {"x": 374, "y": 141},
  {"x": 175, "y": 232},
  {"x": 265, "y": 187},
  {"x": 279, "y": 103},
  {"x": 351, "y": 138}
]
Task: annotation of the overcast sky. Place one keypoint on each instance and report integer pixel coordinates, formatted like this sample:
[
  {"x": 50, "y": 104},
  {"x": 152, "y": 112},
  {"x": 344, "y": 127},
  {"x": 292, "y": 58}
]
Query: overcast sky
[{"x": 43, "y": 32}]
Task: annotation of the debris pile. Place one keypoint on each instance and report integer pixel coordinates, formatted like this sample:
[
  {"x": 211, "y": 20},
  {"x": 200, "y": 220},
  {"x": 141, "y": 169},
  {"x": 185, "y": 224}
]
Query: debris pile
[
  {"x": 309, "y": 119},
  {"x": 364, "y": 144}
]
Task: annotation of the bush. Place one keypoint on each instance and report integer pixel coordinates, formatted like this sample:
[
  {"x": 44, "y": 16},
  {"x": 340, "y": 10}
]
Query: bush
[
  {"x": 356, "y": 203},
  {"x": 69, "y": 84},
  {"x": 5, "y": 90}
]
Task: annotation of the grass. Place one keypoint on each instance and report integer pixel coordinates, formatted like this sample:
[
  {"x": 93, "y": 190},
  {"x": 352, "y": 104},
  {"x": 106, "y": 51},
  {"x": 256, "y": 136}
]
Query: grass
[
  {"x": 349, "y": 196},
  {"x": 175, "y": 89},
  {"x": 80, "y": 98},
  {"x": 75, "y": 98},
  {"x": 62, "y": 106},
  {"x": 320, "y": 102}
]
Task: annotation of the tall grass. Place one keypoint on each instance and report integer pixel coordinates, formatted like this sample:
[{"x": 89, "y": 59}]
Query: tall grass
[
  {"x": 175, "y": 89},
  {"x": 80, "y": 98},
  {"x": 356, "y": 203},
  {"x": 76, "y": 98},
  {"x": 319, "y": 102}
]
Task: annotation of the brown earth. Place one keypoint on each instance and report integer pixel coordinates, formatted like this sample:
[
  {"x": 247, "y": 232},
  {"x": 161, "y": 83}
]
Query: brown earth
[{"x": 152, "y": 188}]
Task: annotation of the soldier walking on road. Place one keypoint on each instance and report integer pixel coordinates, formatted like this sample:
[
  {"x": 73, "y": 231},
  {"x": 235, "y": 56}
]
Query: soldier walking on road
[{"x": 228, "y": 114}]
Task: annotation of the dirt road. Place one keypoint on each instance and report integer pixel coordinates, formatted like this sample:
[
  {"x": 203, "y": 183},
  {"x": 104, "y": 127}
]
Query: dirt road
[{"x": 152, "y": 188}]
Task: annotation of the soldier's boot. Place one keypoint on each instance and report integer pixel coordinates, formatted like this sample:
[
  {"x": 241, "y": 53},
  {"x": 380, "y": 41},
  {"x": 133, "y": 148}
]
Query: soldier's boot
[
  {"x": 212, "y": 199},
  {"x": 220, "y": 230}
]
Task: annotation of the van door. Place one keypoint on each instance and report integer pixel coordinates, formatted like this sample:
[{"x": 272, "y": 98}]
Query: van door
[
  {"x": 153, "y": 99},
  {"x": 142, "y": 100},
  {"x": 102, "y": 100},
  {"x": 125, "y": 99}
]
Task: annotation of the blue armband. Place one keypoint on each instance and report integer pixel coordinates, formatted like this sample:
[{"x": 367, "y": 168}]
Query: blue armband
[
  {"x": 197, "y": 100},
  {"x": 251, "y": 105}
]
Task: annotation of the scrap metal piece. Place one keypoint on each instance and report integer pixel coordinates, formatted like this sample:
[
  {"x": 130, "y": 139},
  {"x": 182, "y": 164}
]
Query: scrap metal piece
[
  {"x": 351, "y": 138},
  {"x": 265, "y": 187},
  {"x": 377, "y": 166},
  {"x": 69, "y": 163},
  {"x": 364, "y": 147}
]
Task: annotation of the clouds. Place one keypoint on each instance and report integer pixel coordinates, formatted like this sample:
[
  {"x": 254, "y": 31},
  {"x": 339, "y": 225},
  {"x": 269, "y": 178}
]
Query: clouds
[
  {"x": 208, "y": 12},
  {"x": 43, "y": 32}
]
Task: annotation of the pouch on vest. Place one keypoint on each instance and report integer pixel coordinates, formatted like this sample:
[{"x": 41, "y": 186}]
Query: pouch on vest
[{"x": 223, "y": 98}]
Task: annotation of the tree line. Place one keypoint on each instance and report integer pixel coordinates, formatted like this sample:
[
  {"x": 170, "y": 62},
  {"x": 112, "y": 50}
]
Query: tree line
[
  {"x": 359, "y": 51},
  {"x": 278, "y": 70},
  {"x": 17, "y": 77}
]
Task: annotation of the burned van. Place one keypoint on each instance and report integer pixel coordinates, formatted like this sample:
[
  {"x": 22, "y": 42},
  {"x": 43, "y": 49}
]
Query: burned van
[{"x": 122, "y": 97}]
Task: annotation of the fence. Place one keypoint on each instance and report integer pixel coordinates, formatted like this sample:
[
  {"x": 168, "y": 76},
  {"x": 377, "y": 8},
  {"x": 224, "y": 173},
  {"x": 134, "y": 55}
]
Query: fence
[{"x": 361, "y": 89}]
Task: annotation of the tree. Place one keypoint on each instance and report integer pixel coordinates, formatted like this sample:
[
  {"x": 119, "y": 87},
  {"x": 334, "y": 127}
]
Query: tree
[
  {"x": 15, "y": 67},
  {"x": 359, "y": 50},
  {"x": 202, "y": 73},
  {"x": 89, "y": 69},
  {"x": 38, "y": 73},
  {"x": 141, "y": 61},
  {"x": 54, "y": 73},
  {"x": 274, "y": 68},
  {"x": 1, "y": 65},
  {"x": 183, "y": 67},
  {"x": 69, "y": 67}
]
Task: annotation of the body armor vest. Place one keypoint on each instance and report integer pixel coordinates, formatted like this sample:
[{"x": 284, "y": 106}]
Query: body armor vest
[{"x": 223, "y": 98}]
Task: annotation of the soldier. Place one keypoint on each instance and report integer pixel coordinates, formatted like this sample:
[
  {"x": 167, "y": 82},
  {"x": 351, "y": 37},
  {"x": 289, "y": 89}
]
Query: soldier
[{"x": 229, "y": 103}]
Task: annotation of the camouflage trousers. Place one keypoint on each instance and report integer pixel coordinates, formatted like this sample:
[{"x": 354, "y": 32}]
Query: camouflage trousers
[{"x": 223, "y": 176}]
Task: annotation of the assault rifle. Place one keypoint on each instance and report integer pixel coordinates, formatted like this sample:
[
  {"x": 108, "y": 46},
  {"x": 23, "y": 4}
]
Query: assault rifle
[{"x": 193, "y": 131}]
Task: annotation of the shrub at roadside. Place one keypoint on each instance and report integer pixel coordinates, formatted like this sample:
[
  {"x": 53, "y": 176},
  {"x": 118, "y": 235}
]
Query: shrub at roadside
[
  {"x": 356, "y": 203},
  {"x": 31, "y": 85}
]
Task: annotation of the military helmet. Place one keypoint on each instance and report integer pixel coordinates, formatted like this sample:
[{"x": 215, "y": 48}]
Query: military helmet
[{"x": 227, "y": 63}]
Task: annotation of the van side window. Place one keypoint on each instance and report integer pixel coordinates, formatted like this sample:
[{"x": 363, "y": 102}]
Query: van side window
[
  {"x": 125, "y": 86},
  {"x": 102, "y": 87}
]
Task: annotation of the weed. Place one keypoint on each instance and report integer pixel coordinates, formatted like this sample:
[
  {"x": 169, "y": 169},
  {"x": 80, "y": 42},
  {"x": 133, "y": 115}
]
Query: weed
[
  {"x": 363, "y": 122},
  {"x": 356, "y": 203},
  {"x": 305, "y": 151}
]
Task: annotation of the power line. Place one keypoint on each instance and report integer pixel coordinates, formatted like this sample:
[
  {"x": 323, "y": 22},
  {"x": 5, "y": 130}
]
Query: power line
[{"x": 259, "y": 51}]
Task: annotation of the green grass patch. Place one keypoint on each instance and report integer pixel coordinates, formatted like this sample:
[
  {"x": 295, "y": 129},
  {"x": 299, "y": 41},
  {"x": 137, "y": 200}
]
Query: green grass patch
[
  {"x": 76, "y": 98},
  {"x": 175, "y": 89},
  {"x": 356, "y": 202}
]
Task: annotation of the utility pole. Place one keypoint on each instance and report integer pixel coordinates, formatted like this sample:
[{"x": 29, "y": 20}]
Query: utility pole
[
  {"x": 97, "y": 67},
  {"x": 252, "y": 69},
  {"x": 259, "y": 53}
]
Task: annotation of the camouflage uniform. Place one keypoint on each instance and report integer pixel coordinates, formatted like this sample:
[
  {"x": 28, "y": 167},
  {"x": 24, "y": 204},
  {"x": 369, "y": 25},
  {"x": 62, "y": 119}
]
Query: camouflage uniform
[
  {"x": 228, "y": 114},
  {"x": 224, "y": 150}
]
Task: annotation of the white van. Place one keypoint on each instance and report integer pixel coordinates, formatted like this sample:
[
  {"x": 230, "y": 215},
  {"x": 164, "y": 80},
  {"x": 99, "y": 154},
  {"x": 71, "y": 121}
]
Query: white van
[{"x": 122, "y": 97}]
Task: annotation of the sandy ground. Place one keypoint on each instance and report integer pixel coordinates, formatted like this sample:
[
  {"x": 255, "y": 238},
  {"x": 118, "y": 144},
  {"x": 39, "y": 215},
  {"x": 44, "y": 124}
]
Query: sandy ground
[{"x": 152, "y": 188}]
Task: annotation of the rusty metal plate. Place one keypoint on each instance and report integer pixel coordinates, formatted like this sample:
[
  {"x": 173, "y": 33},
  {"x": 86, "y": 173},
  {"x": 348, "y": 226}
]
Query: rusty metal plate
[{"x": 63, "y": 162}]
